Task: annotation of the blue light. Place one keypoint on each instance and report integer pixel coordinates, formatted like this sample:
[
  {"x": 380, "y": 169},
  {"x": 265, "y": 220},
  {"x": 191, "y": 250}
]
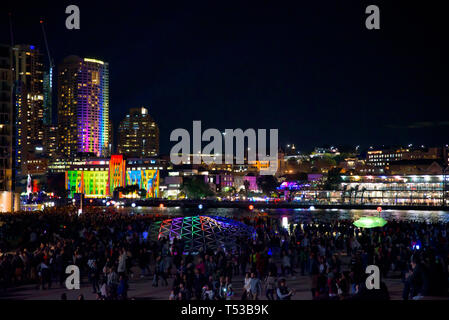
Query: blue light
[
  {"x": 416, "y": 245},
  {"x": 200, "y": 206},
  {"x": 32, "y": 47}
]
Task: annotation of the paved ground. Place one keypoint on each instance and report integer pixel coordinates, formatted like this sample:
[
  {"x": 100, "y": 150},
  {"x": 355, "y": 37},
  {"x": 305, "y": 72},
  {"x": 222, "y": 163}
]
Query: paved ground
[{"x": 140, "y": 288}]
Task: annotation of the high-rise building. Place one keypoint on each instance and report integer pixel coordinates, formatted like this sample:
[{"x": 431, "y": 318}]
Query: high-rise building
[
  {"x": 111, "y": 138},
  {"x": 29, "y": 104},
  {"x": 83, "y": 107},
  {"x": 8, "y": 201},
  {"x": 6, "y": 119},
  {"x": 48, "y": 101},
  {"x": 138, "y": 134},
  {"x": 51, "y": 141}
]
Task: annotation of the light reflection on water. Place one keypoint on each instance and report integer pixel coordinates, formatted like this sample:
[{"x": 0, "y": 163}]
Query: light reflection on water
[{"x": 304, "y": 215}]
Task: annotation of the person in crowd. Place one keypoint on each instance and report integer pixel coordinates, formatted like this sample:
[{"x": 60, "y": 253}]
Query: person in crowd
[
  {"x": 246, "y": 286},
  {"x": 270, "y": 285},
  {"x": 283, "y": 292},
  {"x": 255, "y": 287}
]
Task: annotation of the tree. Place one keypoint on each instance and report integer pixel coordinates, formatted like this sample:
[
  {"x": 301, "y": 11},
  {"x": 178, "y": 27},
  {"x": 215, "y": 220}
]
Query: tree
[
  {"x": 131, "y": 189},
  {"x": 142, "y": 193},
  {"x": 333, "y": 179},
  {"x": 196, "y": 188},
  {"x": 363, "y": 193},
  {"x": 343, "y": 193},
  {"x": 267, "y": 184},
  {"x": 119, "y": 189},
  {"x": 246, "y": 185}
]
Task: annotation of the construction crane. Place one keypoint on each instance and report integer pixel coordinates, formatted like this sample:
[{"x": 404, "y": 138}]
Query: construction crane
[
  {"x": 11, "y": 34},
  {"x": 50, "y": 60},
  {"x": 48, "y": 102}
]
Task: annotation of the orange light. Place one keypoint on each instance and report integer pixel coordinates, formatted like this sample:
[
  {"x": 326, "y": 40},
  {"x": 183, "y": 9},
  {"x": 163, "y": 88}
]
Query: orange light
[
  {"x": 161, "y": 205},
  {"x": 251, "y": 207}
]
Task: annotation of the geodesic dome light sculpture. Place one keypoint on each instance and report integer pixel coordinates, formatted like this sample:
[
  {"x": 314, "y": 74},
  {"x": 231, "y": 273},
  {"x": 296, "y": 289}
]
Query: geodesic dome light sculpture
[{"x": 202, "y": 232}]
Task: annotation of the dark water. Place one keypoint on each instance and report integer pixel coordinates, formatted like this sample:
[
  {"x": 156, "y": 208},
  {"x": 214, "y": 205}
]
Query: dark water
[{"x": 303, "y": 215}]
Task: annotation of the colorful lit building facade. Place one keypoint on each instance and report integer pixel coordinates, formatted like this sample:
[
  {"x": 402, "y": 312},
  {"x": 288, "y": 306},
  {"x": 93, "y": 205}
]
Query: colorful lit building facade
[
  {"x": 100, "y": 178},
  {"x": 83, "y": 107}
]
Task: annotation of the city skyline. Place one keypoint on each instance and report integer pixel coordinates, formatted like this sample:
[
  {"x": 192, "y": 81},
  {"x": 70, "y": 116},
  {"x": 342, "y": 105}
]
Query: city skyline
[
  {"x": 264, "y": 66},
  {"x": 217, "y": 151}
]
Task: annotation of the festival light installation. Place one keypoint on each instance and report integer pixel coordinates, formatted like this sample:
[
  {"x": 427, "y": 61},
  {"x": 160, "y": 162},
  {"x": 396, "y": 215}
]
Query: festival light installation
[
  {"x": 202, "y": 232},
  {"x": 370, "y": 222},
  {"x": 99, "y": 179}
]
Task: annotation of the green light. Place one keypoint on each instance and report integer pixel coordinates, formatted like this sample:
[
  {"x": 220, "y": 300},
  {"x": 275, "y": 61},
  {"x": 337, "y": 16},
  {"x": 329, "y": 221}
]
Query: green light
[{"x": 370, "y": 222}]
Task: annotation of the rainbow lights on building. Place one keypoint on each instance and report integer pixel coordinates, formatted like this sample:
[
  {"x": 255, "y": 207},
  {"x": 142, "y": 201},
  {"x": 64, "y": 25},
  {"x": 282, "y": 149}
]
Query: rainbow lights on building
[
  {"x": 83, "y": 107},
  {"x": 93, "y": 106},
  {"x": 145, "y": 179},
  {"x": 99, "y": 178}
]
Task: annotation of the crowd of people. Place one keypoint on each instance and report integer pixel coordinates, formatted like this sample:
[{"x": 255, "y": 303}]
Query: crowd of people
[{"x": 109, "y": 248}]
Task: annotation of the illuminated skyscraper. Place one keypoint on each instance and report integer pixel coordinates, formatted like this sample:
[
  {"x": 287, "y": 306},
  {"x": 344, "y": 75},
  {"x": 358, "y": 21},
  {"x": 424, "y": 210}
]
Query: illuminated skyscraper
[
  {"x": 8, "y": 199},
  {"x": 48, "y": 91},
  {"x": 51, "y": 141},
  {"x": 29, "y": 103},
  {"x": 138, "y": 134},
  {"x": 6, "y": 119},
  {"x": 83, "y": 107}
]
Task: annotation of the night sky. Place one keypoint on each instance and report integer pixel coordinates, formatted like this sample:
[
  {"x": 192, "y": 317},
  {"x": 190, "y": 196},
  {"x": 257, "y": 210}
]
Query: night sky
[{"x": 309, "y": 68}]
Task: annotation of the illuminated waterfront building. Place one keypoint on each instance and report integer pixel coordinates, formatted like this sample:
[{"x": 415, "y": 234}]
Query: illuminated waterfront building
[
  {"x": 83, "y": 107},
  {"x": 138, "y": 134},
  {"x": 425, "y": 190},
  {"x": 397, "y": 189},
  {"x": 100, "y": 178},
  {"x": 29, "y": 103}
]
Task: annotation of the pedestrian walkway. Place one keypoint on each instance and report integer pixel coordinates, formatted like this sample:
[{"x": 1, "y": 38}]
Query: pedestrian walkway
[{"x": 141, "y": 289}]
